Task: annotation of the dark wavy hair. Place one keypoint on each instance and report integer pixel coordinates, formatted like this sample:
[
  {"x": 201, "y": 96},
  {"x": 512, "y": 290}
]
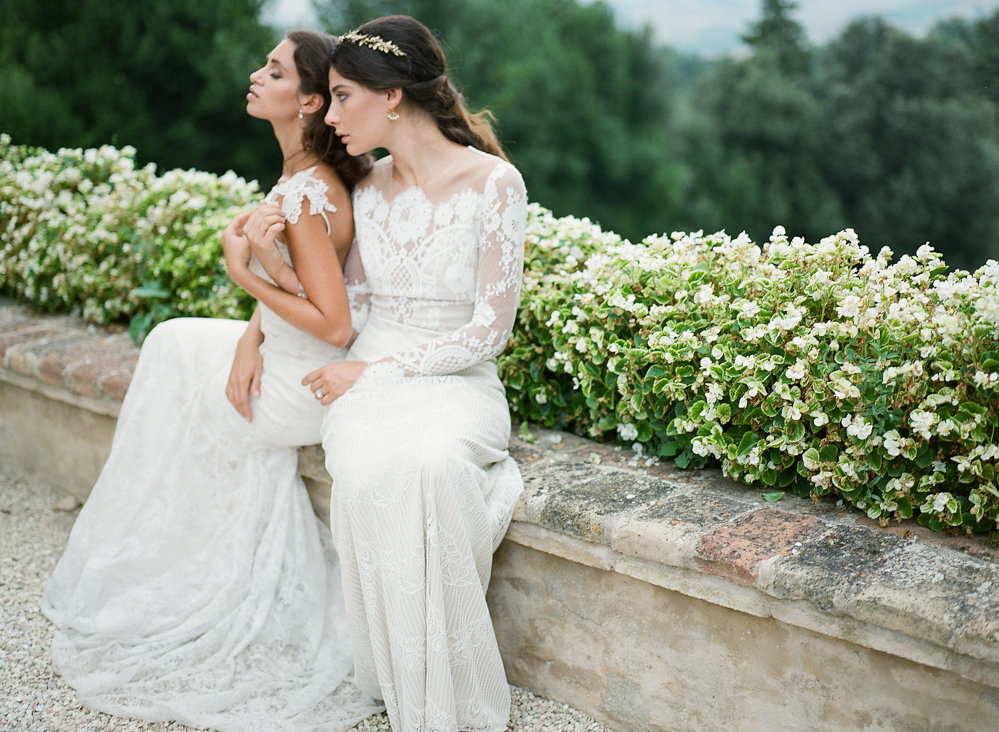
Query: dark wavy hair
[
  {"x": 312, "y": 61},
  {"x": 420, "y": 73}
]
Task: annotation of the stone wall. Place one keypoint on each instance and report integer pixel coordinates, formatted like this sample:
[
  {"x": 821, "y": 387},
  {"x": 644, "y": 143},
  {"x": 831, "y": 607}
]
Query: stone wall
[{"x": 652, "y": 598}]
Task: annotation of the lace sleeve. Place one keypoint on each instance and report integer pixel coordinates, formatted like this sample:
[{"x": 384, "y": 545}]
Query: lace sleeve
[
  {"x": 358, "y": 292},
  {"x": 291, "y": 194},
  {"x": 499, "y": 271}
]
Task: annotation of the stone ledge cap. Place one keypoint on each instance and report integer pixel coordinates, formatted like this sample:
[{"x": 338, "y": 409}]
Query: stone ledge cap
[{"x": 938, "y": 589}]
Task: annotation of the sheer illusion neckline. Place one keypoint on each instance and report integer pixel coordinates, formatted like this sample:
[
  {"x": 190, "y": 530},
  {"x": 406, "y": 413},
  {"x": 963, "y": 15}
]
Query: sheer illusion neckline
[{"x": 418, "y": 194}]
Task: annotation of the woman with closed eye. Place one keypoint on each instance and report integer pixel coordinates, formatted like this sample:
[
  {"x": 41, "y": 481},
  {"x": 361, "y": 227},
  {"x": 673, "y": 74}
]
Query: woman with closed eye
[{"x": 198, "y": 584}]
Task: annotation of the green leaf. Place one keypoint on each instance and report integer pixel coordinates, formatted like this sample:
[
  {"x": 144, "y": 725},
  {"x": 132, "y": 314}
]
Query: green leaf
[
  {"x": 772, "y": 496},
  {"x": 655, "y": 371},
  {"x": 668, "y": 449},
  {"x": 139, "y": 327},
  {"x": 746, "y": 444},
  {"x": 152, "y": 290},
  {"x": 525, "y": 433}
]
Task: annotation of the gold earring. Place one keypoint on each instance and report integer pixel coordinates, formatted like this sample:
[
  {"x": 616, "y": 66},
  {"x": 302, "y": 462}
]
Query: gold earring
[
  {"x": 393, "y": 115},
  {"x": 301, "y": 114}
]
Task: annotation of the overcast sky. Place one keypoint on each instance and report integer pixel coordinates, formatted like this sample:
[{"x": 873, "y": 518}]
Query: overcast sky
[
  {"x": 714, "y": 26},
  {"x": 710, "y": 27}
]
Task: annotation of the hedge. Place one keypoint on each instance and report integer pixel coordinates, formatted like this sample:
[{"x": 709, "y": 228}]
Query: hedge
[{"x": 813, "y": 368}]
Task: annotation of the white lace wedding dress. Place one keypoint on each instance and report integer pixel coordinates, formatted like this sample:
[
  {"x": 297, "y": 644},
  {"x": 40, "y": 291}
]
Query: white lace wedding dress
[
  {"x": 423, "y": 485},
  {"x": 198, "y": 584}
]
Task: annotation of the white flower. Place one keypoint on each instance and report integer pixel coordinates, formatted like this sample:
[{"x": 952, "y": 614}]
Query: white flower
[
  {"x": 790, "y": 320},
  {"x": 857, "y": 426},
  {"x": 850, "y": 307},
  {"x": 627, "y": 431},
  {"x": 948, "y": 323},
  {"x": 796, "y": 370},
  {"x": 748, "y": 308},
  {"x": 792, "y": 412},
  {"x": 940, "y": 501},
  {"x": 921, "y": 421},
  {"x": 946, "y": 426},
  {"x": 984, "y": 379}
]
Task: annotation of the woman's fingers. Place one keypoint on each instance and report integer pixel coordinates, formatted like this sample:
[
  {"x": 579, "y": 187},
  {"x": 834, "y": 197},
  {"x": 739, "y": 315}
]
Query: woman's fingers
[
  {"x": 240, "y": 399},
  {"x": 319, "y": 384}
]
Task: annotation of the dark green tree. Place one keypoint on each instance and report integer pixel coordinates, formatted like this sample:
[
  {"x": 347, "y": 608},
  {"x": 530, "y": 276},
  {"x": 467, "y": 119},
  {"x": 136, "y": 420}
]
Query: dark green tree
[
  {"x": 754, "y": 137},
  {"x": 911, "y": 149},
  {"x": 167, "y": 77},
  {"x": 778, "y": 34}
]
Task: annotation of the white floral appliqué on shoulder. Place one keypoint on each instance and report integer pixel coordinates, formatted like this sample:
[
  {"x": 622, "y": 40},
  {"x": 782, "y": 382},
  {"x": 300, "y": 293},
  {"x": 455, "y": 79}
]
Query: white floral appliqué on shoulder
[{"x": 292, "y": 192}]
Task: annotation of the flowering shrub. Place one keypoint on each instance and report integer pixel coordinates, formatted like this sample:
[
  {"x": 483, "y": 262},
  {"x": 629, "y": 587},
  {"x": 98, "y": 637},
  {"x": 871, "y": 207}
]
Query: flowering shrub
[
  {"x": 813, "y": 368},
  {"x": 86, "y": 231}
]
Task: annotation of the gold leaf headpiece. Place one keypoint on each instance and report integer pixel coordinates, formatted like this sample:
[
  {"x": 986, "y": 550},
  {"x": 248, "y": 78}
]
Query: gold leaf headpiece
[{"x": 376, "y": 42}]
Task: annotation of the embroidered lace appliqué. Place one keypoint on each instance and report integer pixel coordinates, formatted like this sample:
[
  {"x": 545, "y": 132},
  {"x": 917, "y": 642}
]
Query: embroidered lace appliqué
[{"x": 289, "y": 195}]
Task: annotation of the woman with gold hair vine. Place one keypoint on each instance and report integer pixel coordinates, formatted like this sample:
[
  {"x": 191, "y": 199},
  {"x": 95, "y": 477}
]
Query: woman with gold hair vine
[{"x": 418, "y": 426}]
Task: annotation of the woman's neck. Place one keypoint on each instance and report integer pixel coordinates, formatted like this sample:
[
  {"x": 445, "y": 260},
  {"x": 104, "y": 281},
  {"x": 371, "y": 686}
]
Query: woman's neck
[
  {"x": 294, "y": 155},
  {"x": 421, "y": 153}
]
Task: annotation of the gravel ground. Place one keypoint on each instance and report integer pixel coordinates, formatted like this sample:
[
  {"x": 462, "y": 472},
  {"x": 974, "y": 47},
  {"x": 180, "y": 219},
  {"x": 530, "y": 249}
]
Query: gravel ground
[{"x": 33, "y": 698}]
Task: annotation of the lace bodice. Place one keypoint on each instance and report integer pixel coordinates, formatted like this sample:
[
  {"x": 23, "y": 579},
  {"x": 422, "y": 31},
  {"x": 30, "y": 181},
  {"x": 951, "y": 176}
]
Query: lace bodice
[{"x": 447, "y": 272}]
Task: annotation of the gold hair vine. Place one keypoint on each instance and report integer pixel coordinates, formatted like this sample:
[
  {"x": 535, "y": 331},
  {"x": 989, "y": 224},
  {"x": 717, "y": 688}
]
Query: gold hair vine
[{"x": 376, "y": 42}]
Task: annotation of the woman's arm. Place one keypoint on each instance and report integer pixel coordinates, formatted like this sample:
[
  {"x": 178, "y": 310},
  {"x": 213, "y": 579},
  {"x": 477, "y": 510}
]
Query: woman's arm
[
  {"x": 264, "y": 224},
  {"x": 247, "y": 365},
  {"x": 324, "y": 310}
]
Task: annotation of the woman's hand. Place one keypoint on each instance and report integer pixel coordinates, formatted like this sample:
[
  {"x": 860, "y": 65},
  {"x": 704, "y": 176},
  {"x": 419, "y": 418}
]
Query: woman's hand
[
  {"x": 244, "y": 376},
  {"x": 334, "y": 379},
  {"x": 236, "y": 248},
  {"x": 261, "y": 228}
]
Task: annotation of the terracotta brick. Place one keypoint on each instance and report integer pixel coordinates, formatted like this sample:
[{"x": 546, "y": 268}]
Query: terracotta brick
[
  {"x": 61, "y": 357},
  {"x": 107, "y": 355},
  {"x": 23, "y": 331},
  {"x": 734, "y": 549},
  {"x": 114, "y": 384},
  {"x": 26, "y": 356}
]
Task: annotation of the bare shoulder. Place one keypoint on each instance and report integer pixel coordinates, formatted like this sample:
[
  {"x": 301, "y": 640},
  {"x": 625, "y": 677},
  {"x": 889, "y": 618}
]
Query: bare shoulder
[{"x": 336, "y": 190}]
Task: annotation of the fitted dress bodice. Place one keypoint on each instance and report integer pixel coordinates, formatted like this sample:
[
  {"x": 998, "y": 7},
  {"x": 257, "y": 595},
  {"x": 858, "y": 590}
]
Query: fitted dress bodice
[{"x": 444, "y": 275}]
